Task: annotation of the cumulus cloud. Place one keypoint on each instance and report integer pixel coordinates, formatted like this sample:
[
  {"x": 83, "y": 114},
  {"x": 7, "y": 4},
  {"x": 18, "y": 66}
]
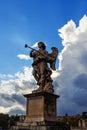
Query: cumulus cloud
[
  {"x": 12, "y": 91},
  {"x": 72, "y": 65}
]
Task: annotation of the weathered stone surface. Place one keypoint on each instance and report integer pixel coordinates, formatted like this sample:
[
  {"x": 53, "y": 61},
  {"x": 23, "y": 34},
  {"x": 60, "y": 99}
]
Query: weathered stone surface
[
  {"x": 41, "y": 70},
  {"x": 41, "y": 107},
  {"x": 41, "y": 126}
]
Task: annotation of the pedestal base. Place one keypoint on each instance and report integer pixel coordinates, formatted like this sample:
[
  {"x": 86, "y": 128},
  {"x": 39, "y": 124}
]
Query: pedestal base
[
  {"x": 41, "y": 107},
  {"x": 40, "y": 113},
  {"x": 41, "y": 126}
]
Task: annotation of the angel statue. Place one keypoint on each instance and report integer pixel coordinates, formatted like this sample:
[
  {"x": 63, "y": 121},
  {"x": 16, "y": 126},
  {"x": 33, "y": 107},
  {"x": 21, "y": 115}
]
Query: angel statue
[{"x": 43, "y": 64}]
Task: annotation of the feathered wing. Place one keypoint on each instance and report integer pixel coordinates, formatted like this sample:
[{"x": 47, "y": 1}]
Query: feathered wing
[{"x": 53, "y": 58}]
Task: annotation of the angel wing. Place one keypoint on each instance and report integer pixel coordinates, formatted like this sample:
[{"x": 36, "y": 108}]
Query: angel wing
[{"x": 53, "y": 56}]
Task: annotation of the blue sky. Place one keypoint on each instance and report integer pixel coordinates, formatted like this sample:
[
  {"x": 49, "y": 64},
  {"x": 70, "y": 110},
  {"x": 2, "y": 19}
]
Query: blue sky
[{"x": 55, "y": 22}]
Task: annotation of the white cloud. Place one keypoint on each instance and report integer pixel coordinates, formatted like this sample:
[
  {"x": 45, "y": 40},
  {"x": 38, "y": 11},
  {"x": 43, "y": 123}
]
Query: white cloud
[
  {"x": 72, "y": 65},
  {"x": 11, "y": 108},
  {"x": 12, "y": 91},
  {"x": 23, "y": 57},
  {"x": 6, "y": 76},
  {"x": 66, "y": 33}
]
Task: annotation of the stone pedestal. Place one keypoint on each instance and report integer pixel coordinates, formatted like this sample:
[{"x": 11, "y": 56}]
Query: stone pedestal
[
  {"x": 41, "y": 107},
  {"x": 41, "y": 113}
]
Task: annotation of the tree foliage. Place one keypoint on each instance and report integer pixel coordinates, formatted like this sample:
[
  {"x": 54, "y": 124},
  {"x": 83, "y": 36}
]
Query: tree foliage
[{"x": 6, "y": 121}]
